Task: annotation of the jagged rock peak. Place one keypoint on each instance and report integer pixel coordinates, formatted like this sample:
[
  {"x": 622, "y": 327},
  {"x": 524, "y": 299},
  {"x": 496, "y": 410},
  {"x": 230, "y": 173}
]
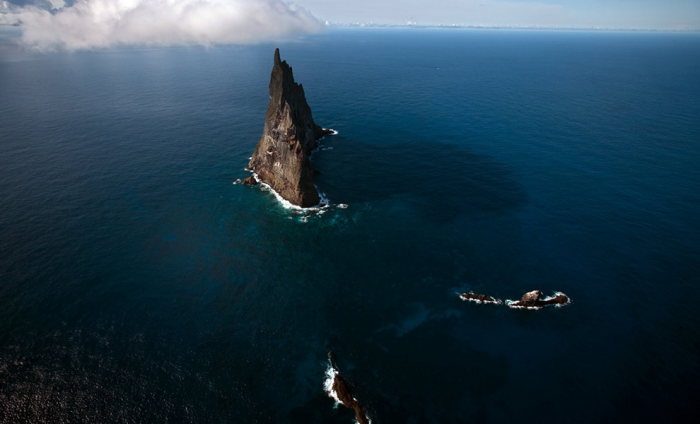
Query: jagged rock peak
[
  {"x": 278, "y": 61},
  {"x": 281, "y": 158}
]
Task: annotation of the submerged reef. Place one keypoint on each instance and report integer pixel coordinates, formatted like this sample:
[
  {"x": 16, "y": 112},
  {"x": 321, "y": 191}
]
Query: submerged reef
[{"x": 281, "y": 157}]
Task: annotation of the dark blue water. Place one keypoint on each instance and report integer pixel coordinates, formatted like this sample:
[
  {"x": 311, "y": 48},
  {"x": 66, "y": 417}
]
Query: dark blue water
[{"x": 137, "y": 284}]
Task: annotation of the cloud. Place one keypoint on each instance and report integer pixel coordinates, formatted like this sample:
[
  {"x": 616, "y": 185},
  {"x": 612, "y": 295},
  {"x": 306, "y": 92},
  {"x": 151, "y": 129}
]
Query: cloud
[{"x": 89, "y": 24}]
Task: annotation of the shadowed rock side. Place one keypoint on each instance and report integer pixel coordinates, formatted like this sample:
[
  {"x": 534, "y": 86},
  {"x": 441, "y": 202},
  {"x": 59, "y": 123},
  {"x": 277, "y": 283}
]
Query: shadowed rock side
[
  {"x": 281, "y": 158},
  {"x": 250, "y": 181}
]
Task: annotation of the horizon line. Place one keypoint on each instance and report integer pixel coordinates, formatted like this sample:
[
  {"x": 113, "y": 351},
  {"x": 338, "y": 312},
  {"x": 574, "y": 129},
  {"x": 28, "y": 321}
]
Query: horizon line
[{"x": 414, "y": 25}]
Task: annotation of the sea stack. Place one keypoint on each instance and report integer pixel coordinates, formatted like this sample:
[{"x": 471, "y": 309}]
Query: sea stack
[{"x": 281, "y": 158}]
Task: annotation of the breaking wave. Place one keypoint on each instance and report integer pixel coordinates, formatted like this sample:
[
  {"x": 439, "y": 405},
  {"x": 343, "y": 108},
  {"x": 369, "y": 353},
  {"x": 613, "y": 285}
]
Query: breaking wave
[{"x": 331, "y": 372}]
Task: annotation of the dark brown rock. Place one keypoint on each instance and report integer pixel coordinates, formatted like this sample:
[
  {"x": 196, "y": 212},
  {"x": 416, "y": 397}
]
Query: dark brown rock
[
  {"x": 281, "y": 158},
  {"x": 344, "y": 393},
  {"x": 250, "y": 181},
  {"x": 534, "y": 300},
  {"x": 479, "y": 298},
  {"x": 531, "y": 298},
  {"x": 558, "y": 299}
]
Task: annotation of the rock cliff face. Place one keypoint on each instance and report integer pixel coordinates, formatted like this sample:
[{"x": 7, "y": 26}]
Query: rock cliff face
[{"x": 281, "y": 158}]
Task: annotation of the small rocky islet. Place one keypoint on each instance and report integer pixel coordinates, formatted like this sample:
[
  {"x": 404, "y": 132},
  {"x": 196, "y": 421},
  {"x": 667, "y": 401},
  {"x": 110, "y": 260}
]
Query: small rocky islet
[
  {"x": 531, "y": 300},
  {"x": 341, "y": 391}
]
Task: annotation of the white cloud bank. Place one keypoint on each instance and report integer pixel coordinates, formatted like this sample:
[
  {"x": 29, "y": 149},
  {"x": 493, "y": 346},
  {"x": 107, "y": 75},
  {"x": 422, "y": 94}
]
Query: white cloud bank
[{"x": 92, "y": 24}]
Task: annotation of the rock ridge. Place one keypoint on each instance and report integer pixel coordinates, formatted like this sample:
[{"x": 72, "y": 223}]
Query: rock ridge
[
  {"x": 340, "y": 390},
  {"x": 530, "y": 300},
  {"x": 281, "y": 157}
]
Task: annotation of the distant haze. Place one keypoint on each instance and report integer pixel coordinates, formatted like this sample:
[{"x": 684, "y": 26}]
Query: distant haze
[{"x": 629, "y": 14}]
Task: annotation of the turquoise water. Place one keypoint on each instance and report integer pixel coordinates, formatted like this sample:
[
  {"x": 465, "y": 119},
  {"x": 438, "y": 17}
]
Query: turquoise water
[{"x": 138, "y": 284}]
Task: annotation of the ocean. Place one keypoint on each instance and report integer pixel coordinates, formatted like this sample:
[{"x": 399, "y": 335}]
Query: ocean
[{"x": 139, "y": 285}]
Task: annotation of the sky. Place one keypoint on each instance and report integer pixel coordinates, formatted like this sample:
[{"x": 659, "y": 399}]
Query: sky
[{"x": 90, "y": 24}]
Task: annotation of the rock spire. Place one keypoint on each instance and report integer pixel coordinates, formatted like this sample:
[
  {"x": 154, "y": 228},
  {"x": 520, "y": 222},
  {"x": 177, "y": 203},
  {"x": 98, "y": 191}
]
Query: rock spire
[{"x": 281, "y": 158}]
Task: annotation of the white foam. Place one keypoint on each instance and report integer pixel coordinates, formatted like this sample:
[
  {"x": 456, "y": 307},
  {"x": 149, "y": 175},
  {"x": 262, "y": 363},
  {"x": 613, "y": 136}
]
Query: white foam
[
  {"x": 324, "y": 202},
  {"x": 333, "y": 132},
  {"x": 328, "y": 384},
  {"x": 287, "y": 204},
  {"x": 512, "y": 304}
]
